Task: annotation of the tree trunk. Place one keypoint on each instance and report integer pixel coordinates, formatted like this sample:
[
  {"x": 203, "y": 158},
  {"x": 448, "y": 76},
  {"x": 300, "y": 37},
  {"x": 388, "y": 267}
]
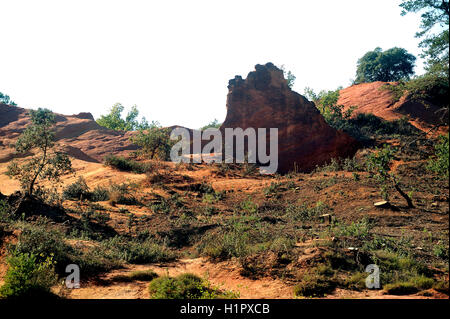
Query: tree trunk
[{"x": 404, "y": 195}]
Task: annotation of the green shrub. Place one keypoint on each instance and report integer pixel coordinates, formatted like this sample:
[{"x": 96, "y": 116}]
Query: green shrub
[
  {"x": 145, "y": 275},
  {"x": 440, "y": 163},
  {"x": 356, "y": 281},
  {"x": 137, "y": 252},
  {"x": 413, "y": 285},
  {"x": 42, "y": 240},
  {"x": 234, "y": 242},
  {"x": 154, "y": 142},
  {"x": 77, "y": 190},
  {"x": 314, "y": 284},
  {"x": 362, "y": 126},
  {"x": 28, "y": 277},
  {"x": 441, "y": 250},
  {"x": 186, "y": 286},
  {"x": 378, "y": 165},
  {"x": 123, "y": 164},
  {"x": 427, "y": 88},
  {"x": 305, "y": 213},
  {"x": 5, "y": 211},
  {"x": 360, "y": 229},
  {"x": 100, "y": 194},
  {"x": 248, "y": 206},
  {"x": 121, "y": 194}
]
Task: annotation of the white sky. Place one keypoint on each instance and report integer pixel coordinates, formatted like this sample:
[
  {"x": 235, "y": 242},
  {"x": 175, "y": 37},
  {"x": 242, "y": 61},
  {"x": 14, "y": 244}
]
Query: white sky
[{"x": 173, "y": 59}]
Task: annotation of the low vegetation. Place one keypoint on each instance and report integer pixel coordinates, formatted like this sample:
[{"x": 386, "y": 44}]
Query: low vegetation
[
  {"x": 123, "y": 164},
  {"x": 186, "y": 286}
]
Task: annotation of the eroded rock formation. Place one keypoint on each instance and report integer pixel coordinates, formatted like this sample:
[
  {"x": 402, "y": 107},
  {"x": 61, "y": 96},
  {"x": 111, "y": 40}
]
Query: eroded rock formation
[
  {"x": 78, "y": 135},
  {"x": 264, "y": 100}
]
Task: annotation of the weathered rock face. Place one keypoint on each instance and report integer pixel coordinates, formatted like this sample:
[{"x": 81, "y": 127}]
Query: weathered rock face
[
  {"x": 264, "y": 100},
  {"x": 78, "y": 135},
  {"x": 372, "y": 98}
]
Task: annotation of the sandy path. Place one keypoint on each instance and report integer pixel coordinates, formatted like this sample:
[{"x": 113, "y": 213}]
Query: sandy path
[{"x": 224, "y": 275}]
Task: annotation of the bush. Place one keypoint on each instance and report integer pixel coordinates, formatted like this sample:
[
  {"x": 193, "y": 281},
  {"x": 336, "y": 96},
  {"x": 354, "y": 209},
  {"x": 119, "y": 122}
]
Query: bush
[
  {"x": 154, "y": 142},
  {"x": 77, "y": 190},
  {"x": 427, "y": 88},
  {"x": 363, "y": 125},
  {"x": 100, "y": 194},
  {"x": 186, "y": 286},
  {"x": 440, "y": 163},
  {"x": 121, "y": 194},
  {"x": 137, "y": 252},
  {"x": 232, "y": 243},
  {"x": 124, "y": 164},
  {"x": 314, "y": 284},
  {"x": 42, "y": 240},
  {"x": 145, "y": 275},
  {"x": 305, "y": 213},
  {"x": 5, "y": 211},
  {"x": 413, "y": 285},
  {"x": 28, "y": 277}
]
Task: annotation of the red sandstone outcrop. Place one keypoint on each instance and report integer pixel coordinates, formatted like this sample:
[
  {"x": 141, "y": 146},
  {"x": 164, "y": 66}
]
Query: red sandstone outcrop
[
  {"x": 372, "y": 98},
  {"x": 264, "y": 100},
  {"x": 78, "y": 135}
]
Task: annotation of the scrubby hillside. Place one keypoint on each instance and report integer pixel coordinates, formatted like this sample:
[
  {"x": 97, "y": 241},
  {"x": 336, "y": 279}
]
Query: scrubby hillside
[{"x": 376, "y": 98}]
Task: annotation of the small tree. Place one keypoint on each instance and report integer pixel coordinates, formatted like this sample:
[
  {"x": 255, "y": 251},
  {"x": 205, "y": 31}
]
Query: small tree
[
  {"x": 327, "y": 104},
  {"x": 155, "y": 142},
  {"x": 289, "y": 76},
  {"x": 440, "y": 163},
  {"x": 47, "y": 164},
  {"x": 113, "y": 120},
  {"x": 391, "y": 65},
  {"x": 5, "y": 99},
  {"x": 378, "y": 164},
  {"x": 213, "y": 124},
  {"x": 434, "y": 32}
]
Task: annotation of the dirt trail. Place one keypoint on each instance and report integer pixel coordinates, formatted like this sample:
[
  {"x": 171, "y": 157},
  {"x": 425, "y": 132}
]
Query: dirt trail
[{"x": 224, "y": 275}]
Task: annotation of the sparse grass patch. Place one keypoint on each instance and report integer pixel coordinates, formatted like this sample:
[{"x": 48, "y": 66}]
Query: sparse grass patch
[
  {"x": 137, "y": 252},
  {"x": 411, "y": 286},
  {"x": 144, "y": 275},
  {"x": 314, "y": 283},
  {"x": 121, "y": 194}
]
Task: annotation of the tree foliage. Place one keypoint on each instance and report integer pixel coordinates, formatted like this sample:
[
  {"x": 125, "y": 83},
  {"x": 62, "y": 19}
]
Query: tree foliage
[
  {"x": 5, "y": 99},
  {"x": 213, "y": 124},
  {"x": 327, "y": 104},
  {"x": 154, "y": 141},
  {"x": 28, "y": 277},
  {"x": 440, "y": 163},
  {"x": 47, "y": 164},
  {"x": 378, "y": 163},
  {"x": 289, "y": 76},
  {"x": 434, "y": 31},
  {"x": 391, "y": 65},
  {"x": 113, "y": 120}
]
